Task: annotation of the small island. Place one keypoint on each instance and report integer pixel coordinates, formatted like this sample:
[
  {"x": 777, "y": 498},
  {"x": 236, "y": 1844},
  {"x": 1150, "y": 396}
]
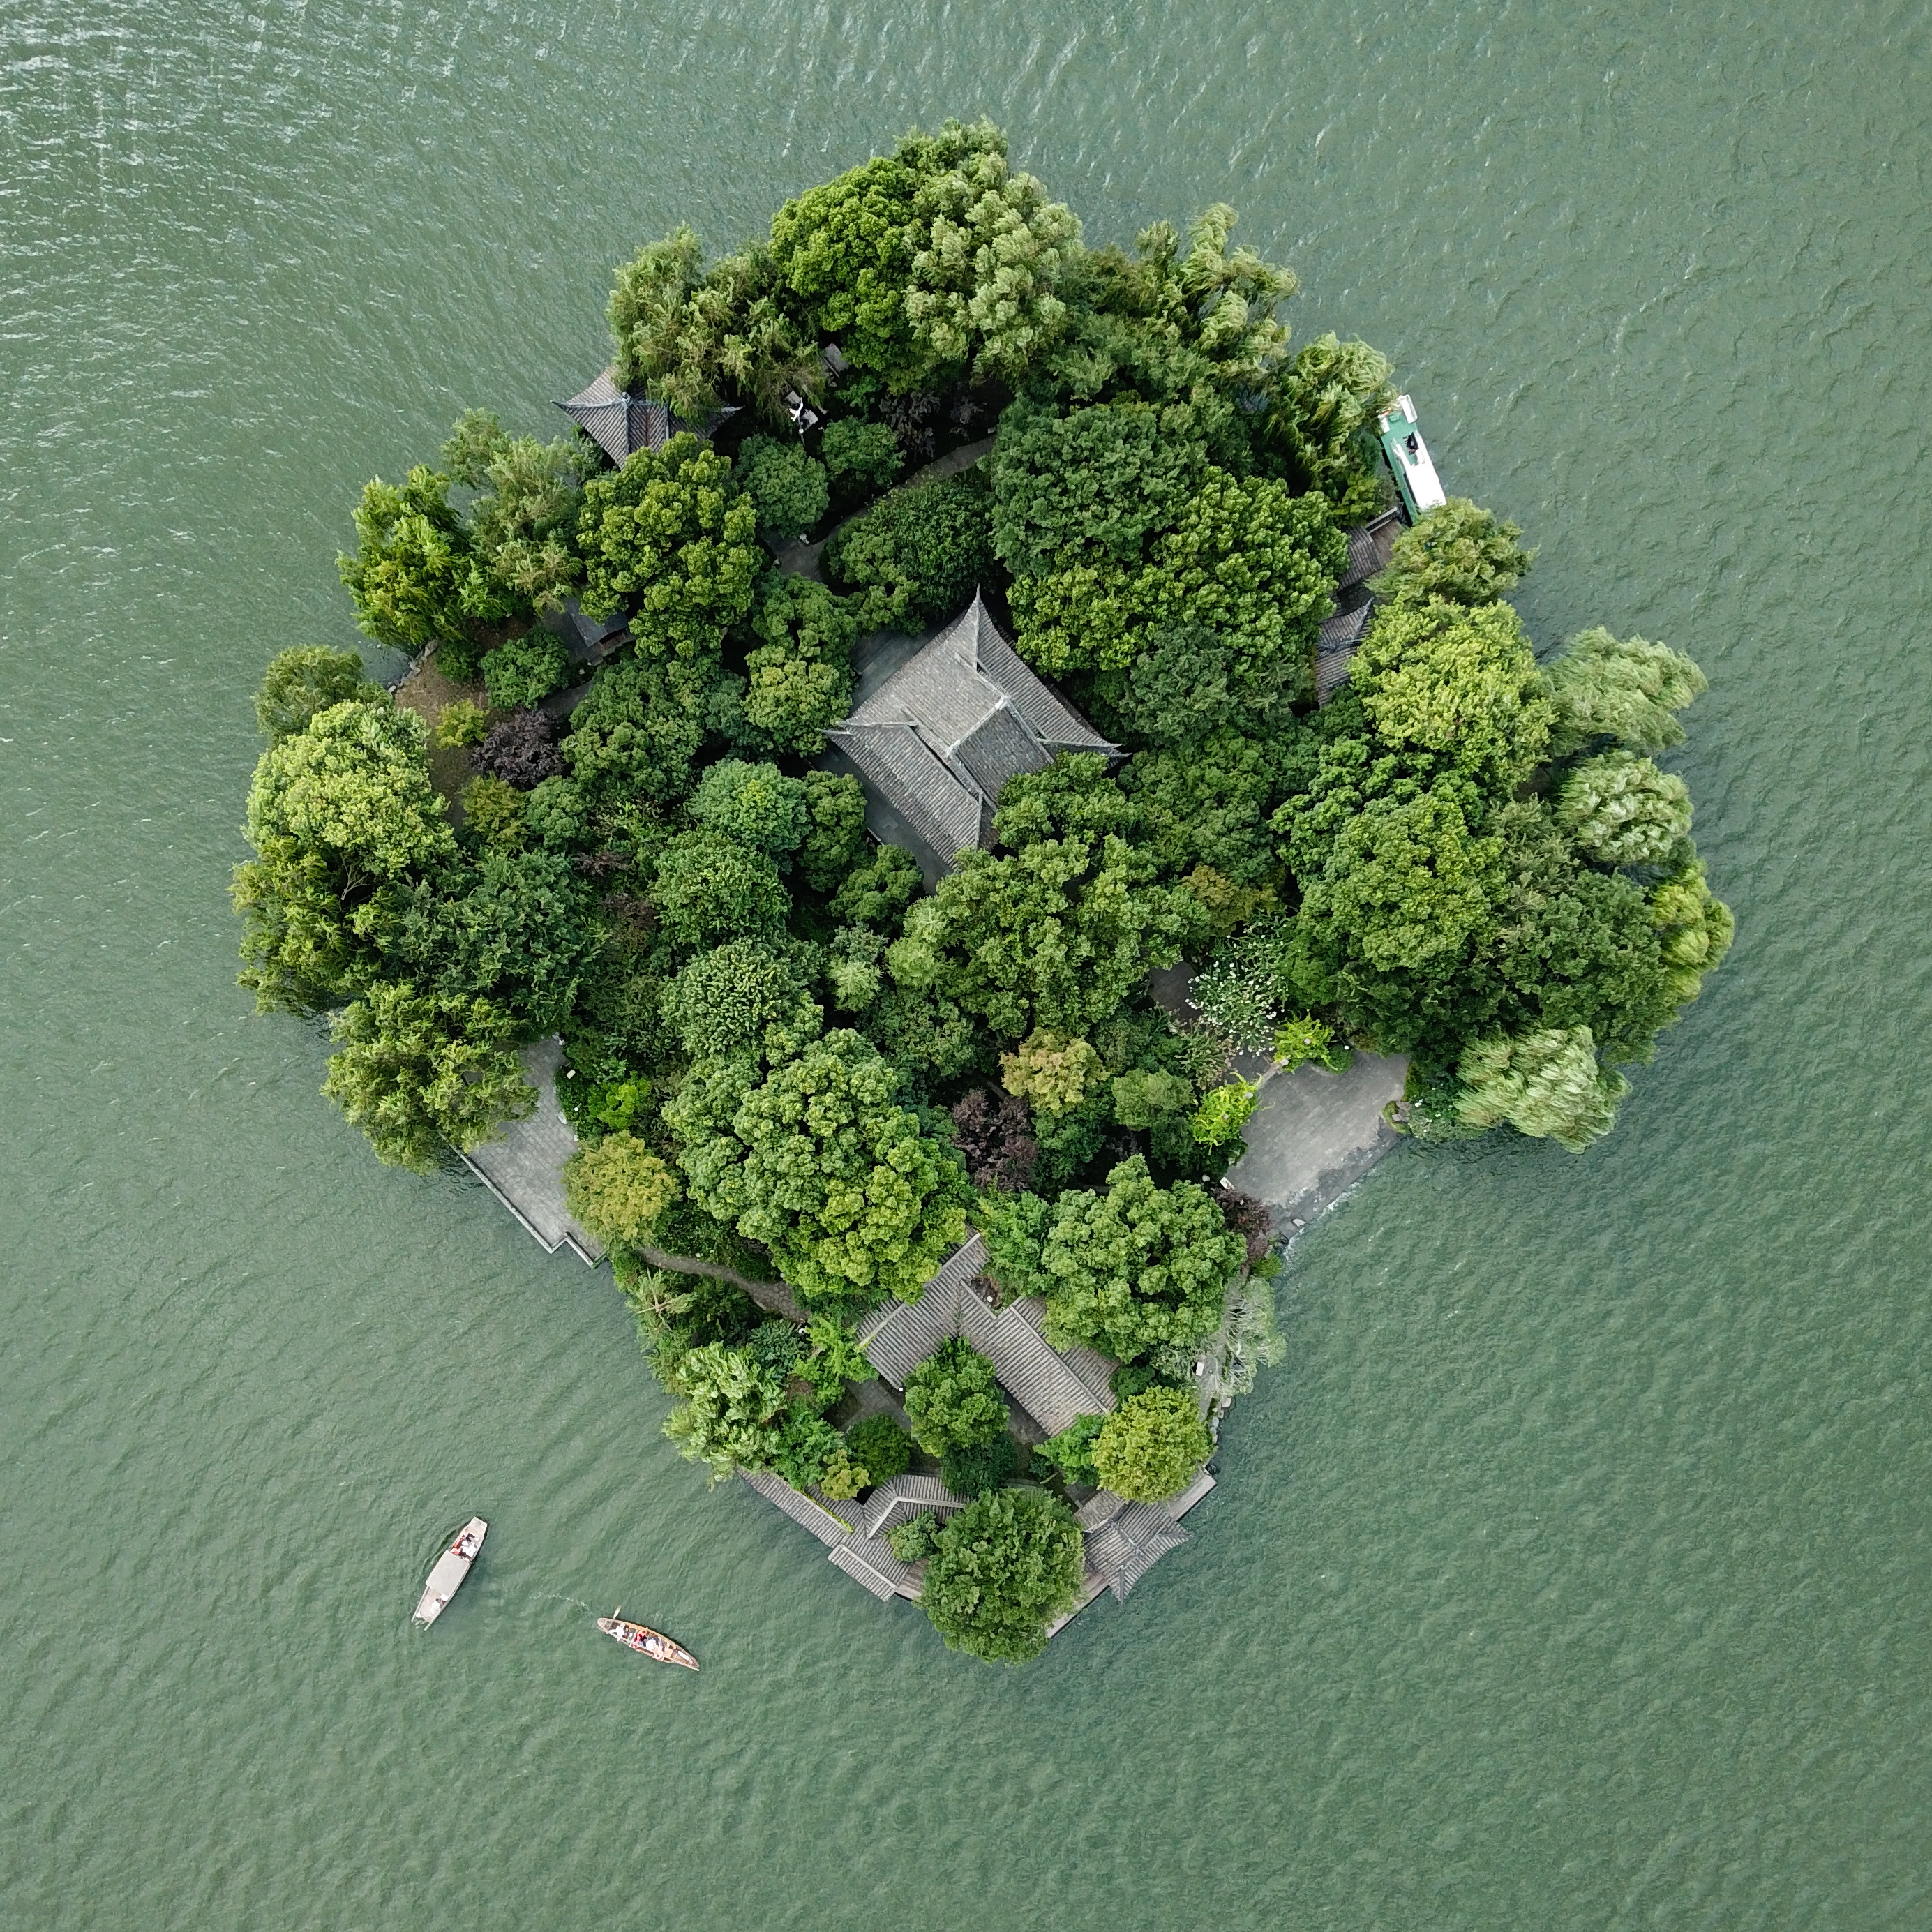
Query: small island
[{"x": 960, "y": 719}]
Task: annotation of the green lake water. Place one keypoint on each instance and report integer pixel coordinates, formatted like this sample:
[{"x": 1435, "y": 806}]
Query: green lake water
[{"x": 1573, "y": 1571}]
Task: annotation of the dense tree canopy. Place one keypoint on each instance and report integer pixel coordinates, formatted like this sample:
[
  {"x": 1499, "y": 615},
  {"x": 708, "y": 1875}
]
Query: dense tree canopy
[
  {"x": 668, "y": 539},
  {"x": 820, "y": 1163},
  {"x": 1460, "y": 854},
  {"x": 421, "y": 1074},
  {"x": 1001, "y": 1570}
]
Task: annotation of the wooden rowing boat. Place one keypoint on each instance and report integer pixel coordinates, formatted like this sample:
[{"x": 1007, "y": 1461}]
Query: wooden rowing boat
[
  {"x": 451, "y": 1567},
  {"x": 640, "y": 1637}
]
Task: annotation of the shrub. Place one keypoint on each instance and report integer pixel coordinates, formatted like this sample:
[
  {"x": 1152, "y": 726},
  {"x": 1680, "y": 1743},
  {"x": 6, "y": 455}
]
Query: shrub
[
  {"x": 1237, "y": 995},
  {"x": 1218, "y": 1121},
  {"x": 493, "y": 814},
  {"x": 971, "y": 1472},
  {"x": 865, "y": 453},
  {"x": 756, "y": 805},
  {"x": 1071, "y": 1452},
  {"x": 1051, "y": 1070},
  {"x": 710, "y": 887},
  {"x": 1250, "y": 1217},
  {"x": 525, "y": 671},
  {"x": 1150, "y": 1446},
  {"x": 618, "y": 1189},
  {"x": 1297, "y": 1042},
  {"x": 299, "y": 683},
  {"x": 1001, "y": 1570},
  {"x": 806, "y": 1451},
  {"x": 522, "y": 750},
  {"x": 953, "y": 1399},
  {"x": 1143, "y": 1095},
  {"x": 460, "y": 722},
  {"x": 917, "y": 556},
  {"x": 884, "y": 1447}
]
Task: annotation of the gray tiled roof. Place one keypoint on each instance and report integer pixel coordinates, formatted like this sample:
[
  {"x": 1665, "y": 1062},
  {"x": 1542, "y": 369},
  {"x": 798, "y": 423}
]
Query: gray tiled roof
[
  {"x": 1335, "y": 650},
  {"x": 801, "y": 1508},
  {"x": 940, "y": 739},
  {"x": 905, "y": 1497},
  {"x": 871, "y": 1562},
  {"x": 1040, "y": 1379},
  {"x": 621, "y": 423},
  {"x": 1370, "y": 547}
]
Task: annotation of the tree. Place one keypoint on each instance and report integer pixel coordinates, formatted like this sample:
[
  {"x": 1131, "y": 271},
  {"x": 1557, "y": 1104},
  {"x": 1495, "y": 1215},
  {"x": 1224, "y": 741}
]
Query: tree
[
  {"x": 1546, "y": 1083},
  {"x": 1001, "y": 1570},
  {"x": 667, "y": 537},
  {"x": 953, "y": 1399},
  {"x": 844, "y": 249},
  {"x": 617, "y": 1188},
  {"x": 1151, "y": 1445},
  {"x": 821, "y": 1164},
  {"x": 522, "y": 526},
  {"x": 1407, "y": 886},
  {"x": 991, "y": 252},
  {"x": 877, "y": 892},
  {"x": 525, "y": 671},
  {"x": 517, "y": 928},
  {"x": 1622, "y": 811},
  {"x": 729, "y": 1419},
  {"x": 1186, "y": 684},
  {"x": 756, "y": 805},
  {"x": 722, "y": 1002},
  {"x": 992, "y": 1132},
  {"x": 1051, "y": 1071},
  {"x": 1628, "y": 688},
  {"x": 1695, "y": 929},
  {"x": 916, "y": 556},
  {"x": 300, "y": 683},
  {"x": 411, "y": 563},
  {"x": 835, "y": 840},
  {"x": 420, "y": 1073},
  {"x": 1055, "y": 934},
  {"x": 799, "y": 678},
  {"x": 343, "y": 819},
  {"x": 1137, "y": 1268},
  {"x": 1251, "y": 563},
  {"x": 881, "y": 1446},
  {"x": 1318, "y": 432},
  {"x": 787, "y": 486},
  {"x": 986, "y": 1465},
  {"x": 1093, "y": 484},
  {"x": 1071, "y": 1451},
  {"x": 696, "y": 337},
  {"x": 1208, "y": 805},
  {"x": 860, "y": 454},
  {"x": 1144, "y": 1095},
  {"x": 1441, "y": 677},
  {"x": 1455, "y": 552},
  {"x": 639, "y": 728},
  {"x": 521, "y": 750},
  {"x": 709, "y": 887}
]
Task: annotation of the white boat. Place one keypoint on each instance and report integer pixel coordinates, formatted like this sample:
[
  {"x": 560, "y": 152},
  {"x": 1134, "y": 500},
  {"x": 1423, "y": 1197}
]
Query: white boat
[
  {"x": 1409, "y": 458},
  {"x": 451, "y": 1567}
]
